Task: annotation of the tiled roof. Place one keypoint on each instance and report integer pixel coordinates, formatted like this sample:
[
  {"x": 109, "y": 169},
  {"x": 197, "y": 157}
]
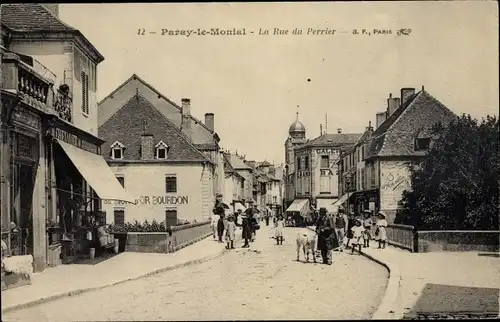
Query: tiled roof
[
  {"x": 237, "y": 163},
  {"x": 396, "y": 135},
  {"x": 126, "y": 126},
  {"x": 31, "y": 17},
  {"x": 201, "y": 135},
  {"x": 333, "y": 139},
  {"x": 366, "y": 136}
]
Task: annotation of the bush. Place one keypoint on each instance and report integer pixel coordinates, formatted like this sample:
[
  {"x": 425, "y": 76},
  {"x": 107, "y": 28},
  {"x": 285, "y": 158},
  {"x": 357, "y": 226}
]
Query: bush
[{"x": 145, "y": 227}]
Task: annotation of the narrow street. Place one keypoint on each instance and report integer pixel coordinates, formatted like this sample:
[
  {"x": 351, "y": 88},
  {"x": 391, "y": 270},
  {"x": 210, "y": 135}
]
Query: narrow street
[{"x": 263, "y": 282}]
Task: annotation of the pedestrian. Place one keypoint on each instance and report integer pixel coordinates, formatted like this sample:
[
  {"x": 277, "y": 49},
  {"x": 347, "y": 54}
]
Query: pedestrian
[
  {"x": 278, "y": 233},
  {"x": 341, "y": 227},
  {"x": 357, "y": 235},
  {"x": 220, "y": 228},
  {"x": 267, "y": 219},
  {"x": 327, "y": 239},
  {"x": 254, "y": 226},
  {"x": 351, "y": 222},
  {"x": 367, "y": 224},
  {"x": 230, "y": 232},
  {"x": 246, "y": 232},
  {"x": 381, "y": 232},
  {"x": 213, "y": 223}
]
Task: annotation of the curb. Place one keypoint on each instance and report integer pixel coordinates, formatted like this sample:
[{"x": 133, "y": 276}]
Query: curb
[
  {"x": 385, "y": 310},
  {"x": 85, "y": 290}
]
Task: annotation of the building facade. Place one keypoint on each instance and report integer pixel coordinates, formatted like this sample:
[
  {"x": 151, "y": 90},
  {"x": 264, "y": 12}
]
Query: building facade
[
  {"x": 234, "y": 185},
  {"x": 173, "y": 178},
  {"x": 50, "y": 153},
  {"x": 376, "y": 171}
]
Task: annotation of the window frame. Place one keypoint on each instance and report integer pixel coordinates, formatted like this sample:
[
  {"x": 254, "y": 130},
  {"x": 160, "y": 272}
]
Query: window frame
[
  {"x": 418, "y": 144},
  {"x": 324, "y": 157},
  {"x": 161, "y": 146},
  {"x": 118, "y": 209},
  {"x": 84, "y": 78},
  {"x": 170, "y": 176},
  {"x": 117, "y": 146}
]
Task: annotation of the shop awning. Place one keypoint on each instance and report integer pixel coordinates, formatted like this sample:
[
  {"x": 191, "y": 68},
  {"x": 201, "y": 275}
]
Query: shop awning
[
  {"x": 97, "y": 173},
  {"x": 238, "y": 206},
  {"x": 324, "y": 203},
  {"x": 342, "y": 199},
  {"x": 299, "y": 205}
]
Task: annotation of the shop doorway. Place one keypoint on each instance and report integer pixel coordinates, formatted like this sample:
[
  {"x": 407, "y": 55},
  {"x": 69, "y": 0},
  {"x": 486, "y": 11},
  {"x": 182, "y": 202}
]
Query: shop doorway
[{"x": 22, "y": 208}]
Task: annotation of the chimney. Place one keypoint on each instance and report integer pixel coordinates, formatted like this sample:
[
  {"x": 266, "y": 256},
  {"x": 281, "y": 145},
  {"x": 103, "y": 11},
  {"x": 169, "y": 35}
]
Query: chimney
[
  {"x": 147, "y": 147},
  {"x": 186, "y": 116},
  {"x": 392, "y": 104},
  {"x": 381, "y": 116},
  {"x": 321, "y": 129},
  {"x": 406, "y": 93},
  {"x": 53, "y": 8},
  {"x": 209, "y": 121},
  {"x": 339, "y": 130}
]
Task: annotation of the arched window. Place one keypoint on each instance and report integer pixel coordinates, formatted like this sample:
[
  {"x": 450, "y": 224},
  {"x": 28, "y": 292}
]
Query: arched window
[
  {"x": 117, "y": 150},
  {"x": 161, "y": 150}
]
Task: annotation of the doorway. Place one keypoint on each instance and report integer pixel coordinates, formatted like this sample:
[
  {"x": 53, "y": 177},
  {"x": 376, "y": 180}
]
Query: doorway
[{"x": 22, "y": 208}]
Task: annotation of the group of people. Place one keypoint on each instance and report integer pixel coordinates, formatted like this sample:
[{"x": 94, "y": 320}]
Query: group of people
[{"x": 343, "y": 231}]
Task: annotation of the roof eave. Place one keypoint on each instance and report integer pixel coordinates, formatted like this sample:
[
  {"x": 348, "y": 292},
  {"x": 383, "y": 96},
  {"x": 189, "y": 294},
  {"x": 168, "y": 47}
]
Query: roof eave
[{"x": 61, "y": 34}]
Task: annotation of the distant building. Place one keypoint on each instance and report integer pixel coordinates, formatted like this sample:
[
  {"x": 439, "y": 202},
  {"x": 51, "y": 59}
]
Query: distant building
[
  {"x": 166, "y": 158},
  {"x": 234, "y": 185},
  {"x": 311, "y": 165},
  {"x": 375, "y": 171}
]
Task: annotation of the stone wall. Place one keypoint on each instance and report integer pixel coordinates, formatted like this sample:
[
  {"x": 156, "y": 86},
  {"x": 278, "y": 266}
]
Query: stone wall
[
  {"x": 161, "y": 242},
  {"x": 458, "y": 241}
]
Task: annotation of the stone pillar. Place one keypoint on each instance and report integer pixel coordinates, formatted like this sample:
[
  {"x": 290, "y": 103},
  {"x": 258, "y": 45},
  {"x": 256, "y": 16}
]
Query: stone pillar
[
  {"x": 39, "y": 211},
  {"x": 5, "y": 179}
]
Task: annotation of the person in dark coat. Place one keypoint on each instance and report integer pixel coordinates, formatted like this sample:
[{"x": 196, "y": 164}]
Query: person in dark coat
[
  {"x": 246, "y": 231},
  {"x": 220, "y": 228},
  {"x": 327, "y": 239}
]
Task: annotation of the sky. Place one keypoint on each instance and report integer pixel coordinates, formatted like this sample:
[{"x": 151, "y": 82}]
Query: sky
[{"x": 255, "y": 84}]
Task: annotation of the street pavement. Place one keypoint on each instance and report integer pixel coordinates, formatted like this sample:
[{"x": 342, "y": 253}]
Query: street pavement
[{"x": 263, "y": 282}]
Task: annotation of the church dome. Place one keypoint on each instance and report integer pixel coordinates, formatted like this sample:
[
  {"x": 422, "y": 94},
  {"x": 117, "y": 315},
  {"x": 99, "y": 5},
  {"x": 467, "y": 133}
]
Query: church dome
[{"x": 297, "y": 126}]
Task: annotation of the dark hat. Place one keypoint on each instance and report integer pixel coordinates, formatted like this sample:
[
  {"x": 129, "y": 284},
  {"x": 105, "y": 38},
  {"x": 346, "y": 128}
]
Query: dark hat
[{"x": 323, "y": 210}]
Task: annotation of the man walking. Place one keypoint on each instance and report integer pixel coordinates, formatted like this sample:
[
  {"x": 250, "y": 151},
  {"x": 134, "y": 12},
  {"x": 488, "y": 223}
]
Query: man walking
[{"x": 327, "y": 239}]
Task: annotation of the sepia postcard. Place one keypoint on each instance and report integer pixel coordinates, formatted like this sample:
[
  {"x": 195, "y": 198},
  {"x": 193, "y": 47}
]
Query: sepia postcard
[{"x": 249, "y": 161}]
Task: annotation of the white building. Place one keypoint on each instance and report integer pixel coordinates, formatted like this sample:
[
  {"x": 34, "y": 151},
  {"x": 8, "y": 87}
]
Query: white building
[{"x": 166, "y": 158}]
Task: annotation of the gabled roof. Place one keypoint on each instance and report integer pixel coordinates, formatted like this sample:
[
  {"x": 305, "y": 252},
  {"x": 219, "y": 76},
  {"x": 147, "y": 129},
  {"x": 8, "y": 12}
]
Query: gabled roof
[
  {"x": 202, "y": 137},
  {"x": 127, "y": 126},
  {"x": 396, "y": 135},
  {"x": 334, "y": 139},
  {"x": 34, "y": 18},
  {"x": 237, "y": 163},
  {"x": 366, "y": 136}
]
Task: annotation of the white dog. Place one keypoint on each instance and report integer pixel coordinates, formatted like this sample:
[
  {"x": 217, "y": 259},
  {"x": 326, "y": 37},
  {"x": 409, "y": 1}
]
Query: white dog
[{"x": 308, "y": 243}]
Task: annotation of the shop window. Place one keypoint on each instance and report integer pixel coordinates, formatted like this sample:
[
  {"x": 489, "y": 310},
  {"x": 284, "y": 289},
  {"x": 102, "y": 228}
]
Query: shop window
[
  {"x": 161, "y": 150},
  {"x": 119, "y": 216},
  {"x": 171, "y": 217},
  {"x": 298, "y": 164},
  {"x": 121, "y": 180},
  {"x": 171, "y": 184},
  {"x": 117, "y": 150},
  {"x": 85, "y": 92},
  {"x": 325, "y": 162},
  {"x": 306, "y": 163}
]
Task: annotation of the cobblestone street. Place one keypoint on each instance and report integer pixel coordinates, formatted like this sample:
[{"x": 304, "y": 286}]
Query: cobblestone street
[{"x": 263, "y": 282}]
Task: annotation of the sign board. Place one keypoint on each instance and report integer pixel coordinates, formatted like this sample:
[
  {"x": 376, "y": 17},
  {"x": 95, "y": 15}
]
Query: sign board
[
  {"x": 153, "y": 200},
  {"x": 74, "y": 140}
]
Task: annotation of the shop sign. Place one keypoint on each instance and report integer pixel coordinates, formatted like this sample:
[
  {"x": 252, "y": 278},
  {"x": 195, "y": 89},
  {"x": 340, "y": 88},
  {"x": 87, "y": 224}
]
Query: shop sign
[
  {"x": 73, "y": 139},
  {"x": 154, "y": 200},
  {"x": 301, "y": 174},
  {"x": 326, "y": 172},
  {"x": 26, "y": 119},
  {"x": 327, "y": 151}
]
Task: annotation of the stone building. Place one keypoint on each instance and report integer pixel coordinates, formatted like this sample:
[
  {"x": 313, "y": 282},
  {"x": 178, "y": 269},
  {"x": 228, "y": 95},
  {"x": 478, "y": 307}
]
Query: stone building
[
  {"x": 165, "y": 157},
  {"x": 53, "y": 176},
  {"x": 376, "y": 171}
]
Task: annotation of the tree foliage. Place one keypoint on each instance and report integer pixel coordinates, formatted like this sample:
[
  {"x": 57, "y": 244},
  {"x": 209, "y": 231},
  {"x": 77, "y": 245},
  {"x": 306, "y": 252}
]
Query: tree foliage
[{"x": 457, "y": 185}]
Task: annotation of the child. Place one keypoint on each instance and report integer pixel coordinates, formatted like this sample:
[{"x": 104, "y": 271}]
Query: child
[
  {"x": 381, "y": 232},
  {"x": 367, "y": 224},
  {"x": 278, "y": 233},
  {"x": 230, "y": 232},
  {"x": 220, "y": 227},
  {"x": 357, "y": 235}
]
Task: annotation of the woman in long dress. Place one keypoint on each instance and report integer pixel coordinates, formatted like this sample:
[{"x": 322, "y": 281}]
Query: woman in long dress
[
  {"x": 278, "y": 232},
  {"x": 381, "y": 230}
]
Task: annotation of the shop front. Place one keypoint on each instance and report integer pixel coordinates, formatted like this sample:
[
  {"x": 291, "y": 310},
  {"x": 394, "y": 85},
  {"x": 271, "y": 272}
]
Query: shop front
[{"x": 79, "y": 180}]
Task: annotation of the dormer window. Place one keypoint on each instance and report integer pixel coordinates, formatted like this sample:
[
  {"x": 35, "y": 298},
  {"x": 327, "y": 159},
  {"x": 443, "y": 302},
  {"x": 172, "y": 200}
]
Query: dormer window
[
  {"x": 422, "y": 144},
  {"x": 117, "y": 150},
  {"x": 161, "y": 150}
]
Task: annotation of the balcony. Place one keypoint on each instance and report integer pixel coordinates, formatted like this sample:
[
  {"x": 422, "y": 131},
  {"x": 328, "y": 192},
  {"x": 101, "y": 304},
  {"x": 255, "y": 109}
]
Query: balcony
[
  {"x": 23, "y": 75},
  {"x": 19, "y": 77}
]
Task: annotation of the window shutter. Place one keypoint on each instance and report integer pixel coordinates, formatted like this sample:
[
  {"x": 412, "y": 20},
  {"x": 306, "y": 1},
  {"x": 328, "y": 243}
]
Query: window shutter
[
  {"x": 119, "y": 216},
  {"x": 171, "y": 217}
]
